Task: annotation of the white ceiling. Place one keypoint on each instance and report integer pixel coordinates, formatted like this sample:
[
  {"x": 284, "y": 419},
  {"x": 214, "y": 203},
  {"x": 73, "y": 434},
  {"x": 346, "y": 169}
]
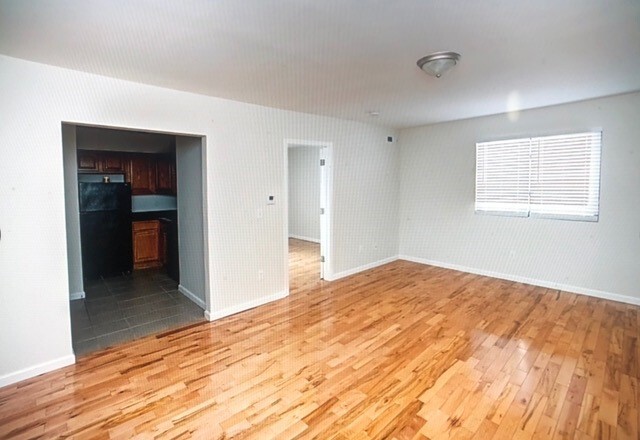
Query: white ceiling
[{"x": 344, "y": 58}]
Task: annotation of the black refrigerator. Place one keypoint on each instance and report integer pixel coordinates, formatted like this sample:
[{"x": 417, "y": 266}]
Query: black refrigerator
[{"x": 105, "y": 229}]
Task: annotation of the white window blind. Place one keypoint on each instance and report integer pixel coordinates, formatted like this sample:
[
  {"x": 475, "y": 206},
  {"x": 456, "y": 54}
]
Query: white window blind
[
  {"x": 550, "y": 176},
  {"x": 503, "y": 176}
]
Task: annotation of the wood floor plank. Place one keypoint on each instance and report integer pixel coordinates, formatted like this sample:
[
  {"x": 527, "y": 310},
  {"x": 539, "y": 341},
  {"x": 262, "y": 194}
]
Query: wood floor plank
[{"x": 402, "y": 351}]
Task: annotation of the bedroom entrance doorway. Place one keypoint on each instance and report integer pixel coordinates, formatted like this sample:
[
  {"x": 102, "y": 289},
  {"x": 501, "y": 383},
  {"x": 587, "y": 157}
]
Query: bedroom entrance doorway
[{"x": 308, "y": 171}]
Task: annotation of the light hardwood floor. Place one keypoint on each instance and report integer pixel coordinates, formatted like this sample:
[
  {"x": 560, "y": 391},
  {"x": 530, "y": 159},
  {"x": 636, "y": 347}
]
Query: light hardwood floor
[
  {"x": 403, "y": 351},
  {"x": 304, "y": 266}
]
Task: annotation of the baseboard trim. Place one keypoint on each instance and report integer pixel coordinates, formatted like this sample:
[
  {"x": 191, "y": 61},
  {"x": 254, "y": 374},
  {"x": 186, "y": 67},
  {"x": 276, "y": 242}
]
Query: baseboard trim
[
  {"x": 192, "y": 296},
  {"x": 76, "y": 295},
  {"x": 36, "y": 370},
  {"x": 212, "y": 316},
  {"x": 533, "y": 281},
  {"x": 300, "y": 237},
  {"x": 355, "y": 270}
]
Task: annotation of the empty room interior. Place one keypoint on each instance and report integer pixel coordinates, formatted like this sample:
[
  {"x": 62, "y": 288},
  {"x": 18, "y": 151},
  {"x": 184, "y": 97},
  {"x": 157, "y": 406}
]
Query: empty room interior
[{"x": 334, "y": 220}]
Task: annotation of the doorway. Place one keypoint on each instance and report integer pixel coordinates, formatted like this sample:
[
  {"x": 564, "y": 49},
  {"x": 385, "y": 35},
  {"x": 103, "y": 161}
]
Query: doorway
[
  {"x": 159, "y": 279},
  {"x": 307, "y": 224}
]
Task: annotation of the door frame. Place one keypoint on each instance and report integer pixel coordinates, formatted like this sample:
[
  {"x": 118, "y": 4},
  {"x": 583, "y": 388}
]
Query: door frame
[
  {"x": 326, "y": 202},
  {"x": 205, "y": 198}
]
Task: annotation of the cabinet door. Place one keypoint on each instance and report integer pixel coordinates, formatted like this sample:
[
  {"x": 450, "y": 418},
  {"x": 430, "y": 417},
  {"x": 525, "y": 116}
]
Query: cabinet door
[
  {"x": 88, "y": 161},
  {"x": 164, "y": 183},
  {"x": 142, "y": 175},
  {"x": 113, "y": 163},
  {"x": 146, "y": 244}
]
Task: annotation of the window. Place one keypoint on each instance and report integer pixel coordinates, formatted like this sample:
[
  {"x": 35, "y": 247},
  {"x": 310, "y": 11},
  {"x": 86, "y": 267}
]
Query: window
[{"x": 550, "y": 176}]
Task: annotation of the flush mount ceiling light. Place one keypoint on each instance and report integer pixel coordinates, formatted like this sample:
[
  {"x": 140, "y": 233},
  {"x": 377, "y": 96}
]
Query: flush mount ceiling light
[{"x": 438, "y": 63}]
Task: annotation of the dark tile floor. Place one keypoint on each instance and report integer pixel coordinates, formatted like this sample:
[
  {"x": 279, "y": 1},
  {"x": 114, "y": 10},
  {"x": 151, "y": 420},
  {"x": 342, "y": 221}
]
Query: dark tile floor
[{"x": 128, "y": 307}]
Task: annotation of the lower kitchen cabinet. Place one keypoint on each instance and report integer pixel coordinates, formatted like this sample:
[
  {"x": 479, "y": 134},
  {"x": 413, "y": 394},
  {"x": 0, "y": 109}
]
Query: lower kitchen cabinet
[{"x": 147, "y": 244}]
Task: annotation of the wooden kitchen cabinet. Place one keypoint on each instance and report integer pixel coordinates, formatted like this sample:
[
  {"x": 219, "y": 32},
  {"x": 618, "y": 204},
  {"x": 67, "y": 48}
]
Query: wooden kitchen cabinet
[
  {"x": 89, "y": 161},
  {"x": 101, "y": 161},
  {"x": 146, "y": 244},
  {"x": 165, "y": 173},
  {"x": 113, "y": 163},
  {"x": 148, "y": 173},
  {"x": 142, "y": 174}
]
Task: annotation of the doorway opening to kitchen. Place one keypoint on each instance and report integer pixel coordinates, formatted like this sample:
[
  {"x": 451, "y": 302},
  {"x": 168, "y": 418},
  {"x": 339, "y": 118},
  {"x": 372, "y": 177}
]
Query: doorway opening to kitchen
[
  {"x": 135, "y": 215},
  {"x": 308, "y": 226}
]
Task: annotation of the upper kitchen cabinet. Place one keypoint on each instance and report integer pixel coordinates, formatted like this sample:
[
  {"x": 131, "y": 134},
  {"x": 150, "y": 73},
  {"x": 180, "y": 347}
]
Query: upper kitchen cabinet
[
  {"x": 89, "y": 161},
  {"x": 148, "y": 173},
  {"x": 113, "y": 163},
  {"x": 143, "y": 174},
  {"x": 165, "y": 175},
  {"x": 101, "y": 162}
]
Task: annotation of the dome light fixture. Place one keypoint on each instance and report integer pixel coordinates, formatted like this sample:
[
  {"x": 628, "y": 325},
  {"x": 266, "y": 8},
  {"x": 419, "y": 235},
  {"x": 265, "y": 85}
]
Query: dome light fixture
[{"x": 438, "y": 63}]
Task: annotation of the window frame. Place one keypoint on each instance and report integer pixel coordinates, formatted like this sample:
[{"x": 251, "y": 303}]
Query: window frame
[{"x": 596, "y": 170}]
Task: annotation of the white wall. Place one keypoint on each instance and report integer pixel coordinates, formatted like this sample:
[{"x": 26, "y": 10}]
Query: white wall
[
  {"x": 438, "y": 222},
  {"x": 244, "y": 162},
  {"x": 191, "y": 246},
  {"x": 72, "y": 211},
  {"x": 304, "y": 193}
]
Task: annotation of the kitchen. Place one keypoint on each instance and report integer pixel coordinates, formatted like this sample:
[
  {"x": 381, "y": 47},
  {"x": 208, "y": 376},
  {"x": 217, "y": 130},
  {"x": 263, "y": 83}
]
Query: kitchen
[{"x": 129, "y": 238}]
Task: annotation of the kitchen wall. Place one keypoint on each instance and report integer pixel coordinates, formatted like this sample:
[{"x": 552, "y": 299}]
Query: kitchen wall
[
  {"x": 438, "y": 224},
  {"x": 244, "y": 164},
  {"x": 72, "y": 212},
  {"x": 304, "y": 193},
  {"x": 191, "y": 219},
  {"x": 100, "y": 138}
]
